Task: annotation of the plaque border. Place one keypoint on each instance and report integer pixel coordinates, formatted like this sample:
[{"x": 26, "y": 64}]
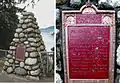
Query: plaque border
[
  {"x": 16, "y": 53},
  {"x": 81, "y": 25},
  {"x": 112, "y": 43}
]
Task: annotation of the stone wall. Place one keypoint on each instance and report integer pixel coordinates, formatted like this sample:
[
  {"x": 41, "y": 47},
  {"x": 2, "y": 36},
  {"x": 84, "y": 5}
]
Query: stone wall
[{"x": 28, "y": 36}]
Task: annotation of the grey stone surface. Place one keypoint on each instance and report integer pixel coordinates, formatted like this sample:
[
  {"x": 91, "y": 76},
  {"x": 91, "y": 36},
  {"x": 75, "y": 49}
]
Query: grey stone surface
[
  {"x": 75, "y": 2},
  {"x": 36, "y": 66},
  {"x": 61, "y": 1},
  {"x": 16, "y": 61},
  {"x": 31, "y": 35},
  {"x": 29, "y": 29},
  {"x": 27, "y": 67},
  {"x": 7, "y": 63},
  {"x": 21, "y": 35},
  {"x": 26, "y": 42},
  {"x": 57, "y": 14},
  {"x": 9, "y": 56},
  {"x": 33, "y": 54},
  {"x": 30, "y": 17},
  {"x": 22, "y": 39},
  {"x": 42, "y": 47},
  {"x": 29, "y": 24},
  {"x": 31, "y": 61},
  {"x": 16, "y": 40},
  {"x": 33, "y": 44},
  {"x": 28, "y": 20},
  {"x": 13, "y": 53},
  {"x": 10, "y": 60},
  {"x": 24, "y": 26},
  {"x": 9, "y": 70},
  {"x": 18, "y": 30},
  {"x": 31, "y": 49},
  {"x": 22, "y": 64},
  {"x": 20, "y": 71},
  {"x": 35, "y": 72},
  {"x": 26, "y": 54},
  {"x": 32, "y": 77},
  {"x": 16, "y": 35},
  {"x": 27, "y": 34},
  {"x": 28, "y": 46},
  {"x": 12, "y": 47},
  {"x": 19, "y": 25},
  {"x": 21, "y": 21},
  {"x": 118, "y": 55},
  {"x": 31, "y": 39},
  {"x": 27, "y": 14},
  {"x": 58, "y": 78}
]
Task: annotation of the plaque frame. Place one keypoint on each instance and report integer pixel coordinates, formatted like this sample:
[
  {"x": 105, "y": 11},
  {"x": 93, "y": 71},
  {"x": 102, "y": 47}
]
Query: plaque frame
[
  {"x": 107, "y": 19},
  {"x": 17, "y": 53}
]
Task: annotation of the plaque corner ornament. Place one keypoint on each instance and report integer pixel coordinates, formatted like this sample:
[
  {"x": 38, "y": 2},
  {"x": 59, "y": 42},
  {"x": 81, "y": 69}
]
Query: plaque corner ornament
[
  {"x": 70, "y": 20},
  {"x": 86, "y": 9},
  {"x": 107, "y": 20}
]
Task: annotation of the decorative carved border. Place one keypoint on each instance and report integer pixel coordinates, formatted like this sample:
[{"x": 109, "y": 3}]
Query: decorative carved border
[{"x": 108, "y": 18}]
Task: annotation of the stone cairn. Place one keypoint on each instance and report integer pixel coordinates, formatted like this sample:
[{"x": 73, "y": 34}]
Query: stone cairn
[{"x": 28, "y": 35}]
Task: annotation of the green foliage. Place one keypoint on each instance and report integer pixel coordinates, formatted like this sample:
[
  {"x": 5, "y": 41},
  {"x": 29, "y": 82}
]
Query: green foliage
[{"x": 9, "y": 20}]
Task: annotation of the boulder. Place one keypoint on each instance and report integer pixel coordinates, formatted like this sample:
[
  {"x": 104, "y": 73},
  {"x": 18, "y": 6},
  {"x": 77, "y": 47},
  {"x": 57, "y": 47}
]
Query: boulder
[
  {"x": 21, "y": 35},
  {"x": 27, "y": 14},
  {"x": 31, "y": 61},
  {"x": 42, "y": 48},
  {"x": 21, "y": 21},
  {"x": 22, "y": 64},
  {"x": 7, "y": 63},
  {"x": 22, "y": 39},
  {"x": 28, "y": 20},
  {"x": 18, "y": 30},
  {"x": 26, "y": 42},
  {"x": 30, "y": 29},
  {"x": 31, "y": 49},
  {"x": 26, "y": 54},
  {"x": 36, "y": 66},
  {"x": 16, "y": 40},
  {"x": 27, "y": 67},
  {"x": 61, "y": 1},
  {"x": 33, "y": 54},
  {"x": 9, "y": 70},
  {"x": 19, "y": 25},
  {"x": 31, "y": 39},
  {"x": 20, "y": 71},
  {"x": 16, "y": 35},
  {"x": 24, "y": 26},
  {"x": 33, "y": 44},
  {"x": 16, "y": 61},
  {"x": 9, "y": 56},
  {"x": 58, "y": 78},
  {"x": 31, "y": 17},
  {"x": 33, "y": 77},
  {"x": 12, "y": 47},
  {"x": 35, "y": 72},
  {"x": 10, "y": 60}
]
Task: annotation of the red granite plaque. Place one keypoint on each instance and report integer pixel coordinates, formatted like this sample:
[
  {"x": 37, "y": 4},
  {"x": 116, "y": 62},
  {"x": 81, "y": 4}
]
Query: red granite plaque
[
  {"x": 88, "y": 45},
  {"x": 88, "y": 52},
  {"x": 20, "y": 53}
]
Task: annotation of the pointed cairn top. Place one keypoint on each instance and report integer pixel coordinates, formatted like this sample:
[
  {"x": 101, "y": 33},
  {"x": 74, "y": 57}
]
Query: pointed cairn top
[{"x": 88, "y": 3}]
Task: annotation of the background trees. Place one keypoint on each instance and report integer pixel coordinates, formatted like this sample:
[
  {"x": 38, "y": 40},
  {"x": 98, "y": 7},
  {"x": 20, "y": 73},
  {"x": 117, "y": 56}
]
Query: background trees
[{"x": 9, "y": 19}]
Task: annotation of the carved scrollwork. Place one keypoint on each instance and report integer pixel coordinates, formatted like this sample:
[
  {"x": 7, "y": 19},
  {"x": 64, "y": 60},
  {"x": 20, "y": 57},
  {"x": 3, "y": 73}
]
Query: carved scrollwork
[
  {"x": 107, "y": 20},
  {"x": 70, "y": 20},
  {"x": 89, "y": 11}
]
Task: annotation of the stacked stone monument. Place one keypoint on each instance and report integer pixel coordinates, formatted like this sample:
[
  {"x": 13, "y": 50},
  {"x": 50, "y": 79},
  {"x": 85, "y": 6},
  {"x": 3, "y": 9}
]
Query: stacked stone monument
[{"x": 28, "y": 35}]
